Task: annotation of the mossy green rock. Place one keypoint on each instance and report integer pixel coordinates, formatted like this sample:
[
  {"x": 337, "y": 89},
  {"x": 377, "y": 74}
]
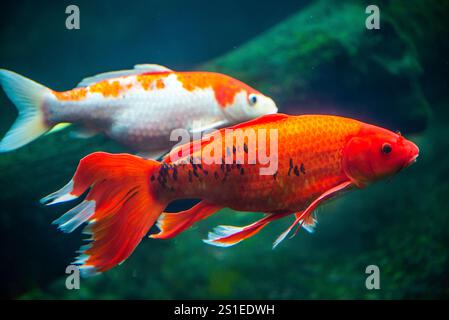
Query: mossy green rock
[{"x": 324, "y": 60}]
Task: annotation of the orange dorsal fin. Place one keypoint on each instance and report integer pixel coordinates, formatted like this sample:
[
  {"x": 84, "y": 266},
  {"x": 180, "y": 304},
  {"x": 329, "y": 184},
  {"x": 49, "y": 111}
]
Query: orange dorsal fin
[
  {"x": 192, "y": 147},
  {"x": 199, "y": 144},
  {"x": 171, "y": 224},
  {"x": 261, "y": 120}
]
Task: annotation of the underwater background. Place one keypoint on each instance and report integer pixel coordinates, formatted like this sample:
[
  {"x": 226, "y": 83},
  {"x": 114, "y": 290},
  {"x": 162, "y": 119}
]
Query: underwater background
[{"x": 311, "y": 57}]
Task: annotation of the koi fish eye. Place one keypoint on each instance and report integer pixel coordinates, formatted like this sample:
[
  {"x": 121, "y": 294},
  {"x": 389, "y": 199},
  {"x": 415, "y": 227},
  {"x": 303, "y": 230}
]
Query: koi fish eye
[
  {"x": 386, "y": 148},
  {"x": 252, "y": 99}
]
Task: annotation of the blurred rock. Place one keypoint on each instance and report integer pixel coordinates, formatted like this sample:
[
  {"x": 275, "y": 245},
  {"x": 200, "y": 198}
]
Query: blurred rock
[{"x": 324, "y": 60}]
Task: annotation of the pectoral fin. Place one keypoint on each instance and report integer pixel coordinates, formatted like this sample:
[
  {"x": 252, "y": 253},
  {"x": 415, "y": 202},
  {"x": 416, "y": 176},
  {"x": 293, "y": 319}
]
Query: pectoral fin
[
  {"x": 209, "y": 126},
  {"x": 303, "y": 216},
  {"x": 309, "y": 222}
]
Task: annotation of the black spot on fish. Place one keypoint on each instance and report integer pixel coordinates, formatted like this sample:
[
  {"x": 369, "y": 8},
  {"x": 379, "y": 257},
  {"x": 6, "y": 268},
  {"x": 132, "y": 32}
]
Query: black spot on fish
[
  {"x": 161, "y": 181},
  {"x": 194, "y": 167},
  {"x": 296, "y": 171},
  {"x": 175, "y": 173},
  {"x": 225, "y": 176},
  {"x": 302, "y": 168},
  {"x": 291, "y": 166},
  {"x": 163, "y": 171}
]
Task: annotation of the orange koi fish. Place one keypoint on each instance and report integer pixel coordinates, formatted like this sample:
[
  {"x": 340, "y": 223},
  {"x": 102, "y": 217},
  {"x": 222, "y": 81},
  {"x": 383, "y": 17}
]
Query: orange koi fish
[
  {"x": 319, "y": 156},
  {"x": 138, "y": 108}
]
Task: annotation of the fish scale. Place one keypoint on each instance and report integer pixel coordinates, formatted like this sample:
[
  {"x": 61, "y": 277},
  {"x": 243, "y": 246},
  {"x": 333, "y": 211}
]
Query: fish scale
[{"x": 313, "y": 141}]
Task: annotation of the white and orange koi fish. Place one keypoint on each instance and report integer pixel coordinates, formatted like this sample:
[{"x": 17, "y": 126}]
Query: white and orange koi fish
[{"x": 138, "y": 108}]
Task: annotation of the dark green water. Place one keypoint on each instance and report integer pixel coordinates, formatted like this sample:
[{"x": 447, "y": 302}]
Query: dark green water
[{"x": 311, "y": 57}]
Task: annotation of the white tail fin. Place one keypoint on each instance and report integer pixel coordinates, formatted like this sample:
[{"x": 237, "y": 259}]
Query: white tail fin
[{"x": 28, "y": 97}]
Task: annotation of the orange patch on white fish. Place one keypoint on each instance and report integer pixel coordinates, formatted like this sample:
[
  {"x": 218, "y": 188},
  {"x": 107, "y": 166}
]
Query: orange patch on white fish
[
  {"x": 71, "y": 95},
  {"x": 107, "y": 88},
  {"x": 150, "y": 81},
  {"x": 225, "y": 88}
]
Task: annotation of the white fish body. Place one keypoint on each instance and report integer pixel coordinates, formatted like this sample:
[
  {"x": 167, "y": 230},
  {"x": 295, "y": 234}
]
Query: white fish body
[{"x": 139, "y": 108}]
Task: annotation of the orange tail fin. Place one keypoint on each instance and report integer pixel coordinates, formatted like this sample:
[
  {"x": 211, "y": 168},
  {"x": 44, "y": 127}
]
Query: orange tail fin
[
  {"x": 174, "y": 223},
  {"x": 120, "y": 207}
]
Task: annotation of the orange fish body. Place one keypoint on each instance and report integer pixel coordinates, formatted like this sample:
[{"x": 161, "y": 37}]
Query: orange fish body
[
  {"x": 315, "y": 158},
  {"x": 309, "y": 153}
]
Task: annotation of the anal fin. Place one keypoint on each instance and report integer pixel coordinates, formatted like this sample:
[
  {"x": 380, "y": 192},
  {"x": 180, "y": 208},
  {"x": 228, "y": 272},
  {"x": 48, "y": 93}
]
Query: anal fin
[
  {"x": 58, "y": 127},
  {"x": 226, "y": 236},
  {"x": 209, "y": 126},
  {"x": 172, "y": 224},
  {"x": 83, "y": 133}
]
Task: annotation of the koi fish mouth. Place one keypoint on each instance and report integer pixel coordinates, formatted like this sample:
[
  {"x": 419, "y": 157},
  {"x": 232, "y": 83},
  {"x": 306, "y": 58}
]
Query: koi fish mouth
[
  {"x": 414, "y": 152},
  {"x": 414, "y": 156},
  {"x": 412, "y": 160}
]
